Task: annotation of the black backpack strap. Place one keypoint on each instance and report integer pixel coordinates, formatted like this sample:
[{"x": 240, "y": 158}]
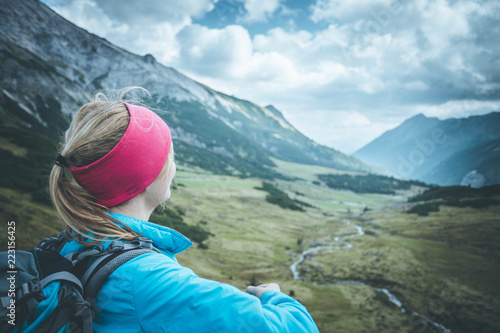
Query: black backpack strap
[
  {"x": 102, "y": 271},
  {"x": 116, "y": 247},
  {"x": 64, "y": 276},
  {"x": 117, "y": 254}
]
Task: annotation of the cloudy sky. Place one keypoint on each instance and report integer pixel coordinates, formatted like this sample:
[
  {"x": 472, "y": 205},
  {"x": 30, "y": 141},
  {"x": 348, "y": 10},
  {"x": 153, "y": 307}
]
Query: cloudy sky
[{"x": 342, "y": 72}]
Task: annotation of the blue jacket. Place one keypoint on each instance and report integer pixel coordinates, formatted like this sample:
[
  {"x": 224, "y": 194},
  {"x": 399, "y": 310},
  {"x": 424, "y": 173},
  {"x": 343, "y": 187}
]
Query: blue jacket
[{"x": 154, "y": 293}]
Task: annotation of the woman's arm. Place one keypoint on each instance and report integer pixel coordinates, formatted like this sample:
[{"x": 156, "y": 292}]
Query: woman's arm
[{"x": 170, "y": 297}]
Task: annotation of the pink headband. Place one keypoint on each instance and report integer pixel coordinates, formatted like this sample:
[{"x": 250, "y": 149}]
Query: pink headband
[{"x": 133, "y": 164}]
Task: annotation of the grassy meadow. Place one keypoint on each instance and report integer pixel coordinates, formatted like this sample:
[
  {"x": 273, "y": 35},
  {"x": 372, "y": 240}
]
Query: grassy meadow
[{"x": 444, "y": 266}]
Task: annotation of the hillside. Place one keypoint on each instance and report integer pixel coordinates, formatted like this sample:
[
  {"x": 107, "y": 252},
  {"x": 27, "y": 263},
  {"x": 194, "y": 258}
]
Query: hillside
[
  {"x": 50, "y": 67},
  {"x": 476, "y": 166},
  {"x": 419, "y": 147}
]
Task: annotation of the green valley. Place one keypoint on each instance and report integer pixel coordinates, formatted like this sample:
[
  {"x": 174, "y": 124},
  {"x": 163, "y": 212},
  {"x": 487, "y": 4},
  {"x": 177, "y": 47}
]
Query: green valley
[{"x": 443, "y": 266}]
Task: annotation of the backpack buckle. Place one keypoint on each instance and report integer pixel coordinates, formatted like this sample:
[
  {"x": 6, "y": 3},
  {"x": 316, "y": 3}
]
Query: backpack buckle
[
  {"x": 82, "y": 308},
  {"x": 116, "y": 246},
  {"x": 49, "y": 244},
  {"x": 143, "y": 242},
  {"x": 53, "y": 243},
  {"x": 28, "y": 289}
]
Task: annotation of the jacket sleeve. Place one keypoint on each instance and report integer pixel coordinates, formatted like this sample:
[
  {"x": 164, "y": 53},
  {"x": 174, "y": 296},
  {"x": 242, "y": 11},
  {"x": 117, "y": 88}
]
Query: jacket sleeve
[{"x": 171, "y": 298}]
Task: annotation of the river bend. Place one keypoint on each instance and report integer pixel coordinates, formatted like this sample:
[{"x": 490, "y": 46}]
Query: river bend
[{"x": 347, "y": 245}]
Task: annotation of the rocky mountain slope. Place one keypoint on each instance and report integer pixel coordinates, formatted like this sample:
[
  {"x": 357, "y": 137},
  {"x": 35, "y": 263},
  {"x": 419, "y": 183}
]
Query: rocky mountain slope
[
  {"x": 50, "y": 67},
  {"x": 437, "y": 151},
  {"x": 476, "y": 166}
]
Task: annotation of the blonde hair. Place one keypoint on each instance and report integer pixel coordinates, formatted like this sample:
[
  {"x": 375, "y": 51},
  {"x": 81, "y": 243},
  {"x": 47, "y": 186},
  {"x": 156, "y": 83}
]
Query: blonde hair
[{"x": 95, "y": 129}]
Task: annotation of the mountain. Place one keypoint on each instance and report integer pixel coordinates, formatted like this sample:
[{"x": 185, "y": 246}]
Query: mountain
[
  {"x": 50, "y": 67},
  {"x": 433, "y": 150},
  {"x": 477, "y": 166}
]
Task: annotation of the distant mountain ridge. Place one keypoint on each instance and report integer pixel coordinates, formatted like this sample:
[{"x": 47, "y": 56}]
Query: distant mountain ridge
[
  {"x": 438, "y": 151},
  {"x": 476, "y": 166},
  {"x": 51, "y": 67}
]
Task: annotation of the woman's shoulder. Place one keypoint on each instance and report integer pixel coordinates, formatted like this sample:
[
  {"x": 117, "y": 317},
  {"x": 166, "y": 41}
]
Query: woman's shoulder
[{"x": 138, "y": 278}]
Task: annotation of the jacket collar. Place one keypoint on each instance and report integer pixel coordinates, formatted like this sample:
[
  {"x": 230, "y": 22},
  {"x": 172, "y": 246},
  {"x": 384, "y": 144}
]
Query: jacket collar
[{"x": 163, "y": 238}]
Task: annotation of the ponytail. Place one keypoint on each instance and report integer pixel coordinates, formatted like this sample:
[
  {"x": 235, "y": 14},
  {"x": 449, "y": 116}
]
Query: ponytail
[{"x": 79, "y": 211}]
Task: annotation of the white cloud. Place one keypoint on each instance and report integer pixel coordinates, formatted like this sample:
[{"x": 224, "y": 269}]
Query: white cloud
[
  {"x": 259, "y": 10},
  {"x": 86, "y": 14},
  {"x": 416, "y": 85},
  {"x": 458, "y": 109},
  {"x": 280, "y": 40},
  {"x": 441, "y": 23},
  {"x": 214, "y": 52},
  {"x": 329, "y": 10},
  {"x": 269, "y": 61}
]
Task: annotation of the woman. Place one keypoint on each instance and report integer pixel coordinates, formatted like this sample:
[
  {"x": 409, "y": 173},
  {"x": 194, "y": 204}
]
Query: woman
[{"x": 121, "y": 157}]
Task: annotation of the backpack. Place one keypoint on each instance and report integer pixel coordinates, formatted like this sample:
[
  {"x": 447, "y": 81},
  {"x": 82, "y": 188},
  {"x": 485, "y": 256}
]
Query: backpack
[{"x": 43, "y": 291}]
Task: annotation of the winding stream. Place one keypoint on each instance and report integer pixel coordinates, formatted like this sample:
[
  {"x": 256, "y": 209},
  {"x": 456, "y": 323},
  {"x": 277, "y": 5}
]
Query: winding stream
[{"x": 347, "y": 245}]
